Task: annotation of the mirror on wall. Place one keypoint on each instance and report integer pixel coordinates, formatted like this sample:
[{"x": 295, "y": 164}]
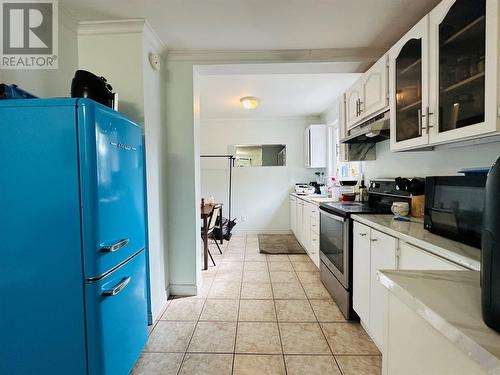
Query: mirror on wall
[{"x": 259, "y": 155}]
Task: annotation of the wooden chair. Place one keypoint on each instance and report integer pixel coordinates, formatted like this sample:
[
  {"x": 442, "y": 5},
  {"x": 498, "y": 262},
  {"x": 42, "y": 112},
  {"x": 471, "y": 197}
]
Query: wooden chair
[{"x": 212, "y": 220}]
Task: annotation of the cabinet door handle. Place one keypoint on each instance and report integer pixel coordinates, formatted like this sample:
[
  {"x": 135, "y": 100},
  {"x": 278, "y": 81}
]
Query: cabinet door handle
[
  {"x": 362, "y": 234},
  {"x": 419, "y": 115},
  {"x": 360, "y": 104},
  {"x": 374, "y": 239}
]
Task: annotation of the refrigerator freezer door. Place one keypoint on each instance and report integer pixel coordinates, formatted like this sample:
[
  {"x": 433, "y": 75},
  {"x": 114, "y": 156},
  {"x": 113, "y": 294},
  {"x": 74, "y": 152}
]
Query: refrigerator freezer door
[
  {"x": 117, "y": 318},
  {"x": 42, "y": 326},
  {"x": 111, "y": 169}
]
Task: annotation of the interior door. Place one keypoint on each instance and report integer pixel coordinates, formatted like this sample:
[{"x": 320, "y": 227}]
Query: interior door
[
  {"x": 374, "y": 89},
  {"x": 408, "y": 88},
  {"x": 460, "y": 64},
  {"x": 353, "y": 99}
]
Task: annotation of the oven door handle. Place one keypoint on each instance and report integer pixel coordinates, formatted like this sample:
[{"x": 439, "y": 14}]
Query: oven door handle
[{"x": 334, "y": 217}]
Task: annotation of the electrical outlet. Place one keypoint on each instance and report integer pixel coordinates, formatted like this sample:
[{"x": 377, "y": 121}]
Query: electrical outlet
[{"x": 243, "y": 219}]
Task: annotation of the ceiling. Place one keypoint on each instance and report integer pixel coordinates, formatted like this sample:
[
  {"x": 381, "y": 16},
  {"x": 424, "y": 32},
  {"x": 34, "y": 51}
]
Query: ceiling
[
  {"x": 263, "y": 24},
  {"x": 280, "y": 95}
]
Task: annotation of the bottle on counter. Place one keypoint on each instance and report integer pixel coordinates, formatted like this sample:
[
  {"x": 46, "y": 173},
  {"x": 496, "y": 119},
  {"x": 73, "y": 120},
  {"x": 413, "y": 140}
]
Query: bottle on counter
[{"x": 363, "y": 192}]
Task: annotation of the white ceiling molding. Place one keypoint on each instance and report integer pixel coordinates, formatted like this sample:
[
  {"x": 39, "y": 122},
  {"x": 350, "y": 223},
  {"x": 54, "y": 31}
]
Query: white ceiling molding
[
  {"x": 263, "y": 56},
  {"x": 311, "y": 118},
  {"x": 130, "y": 26}
]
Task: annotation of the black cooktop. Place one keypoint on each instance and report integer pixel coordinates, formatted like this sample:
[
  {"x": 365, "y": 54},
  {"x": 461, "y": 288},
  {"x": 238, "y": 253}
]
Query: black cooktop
[{"x": 349, "y": 208}]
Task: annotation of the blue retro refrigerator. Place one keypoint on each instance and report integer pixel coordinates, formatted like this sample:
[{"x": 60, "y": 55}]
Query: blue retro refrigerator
[{"x": 73, "y": 294}]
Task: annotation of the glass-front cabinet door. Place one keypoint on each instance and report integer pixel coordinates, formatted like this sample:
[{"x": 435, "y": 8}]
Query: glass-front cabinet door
[
  {"x": 458, "y": 67},
  {"x": 408, "y": 67}
]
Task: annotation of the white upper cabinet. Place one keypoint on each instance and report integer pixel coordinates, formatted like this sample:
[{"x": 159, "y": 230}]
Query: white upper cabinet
[
  {"x": 463, "y": 68},
  {"x": 369, "y": 95},
  {"x": 315, "y": 146},
  {"x": 342, "y": 149},
  {"x": 352, "y": 104},
  {"x": 444, "y": 75},
  {"x": 409, "y": 88},
  {"x": 374, "y": 89}
]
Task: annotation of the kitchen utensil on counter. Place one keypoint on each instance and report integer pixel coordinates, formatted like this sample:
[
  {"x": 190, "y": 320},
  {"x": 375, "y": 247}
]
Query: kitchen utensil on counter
[
  {"x": 348, "y": 197},
  {"x": 490, "y": 251},
  {"x": 348, "y": 182},
  {"x": 417, "y": 206},
  {"x": 400, "y": 208}
]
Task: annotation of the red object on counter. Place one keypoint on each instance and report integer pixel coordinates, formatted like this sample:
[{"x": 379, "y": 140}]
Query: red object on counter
[{"x": 202, "y": 202}]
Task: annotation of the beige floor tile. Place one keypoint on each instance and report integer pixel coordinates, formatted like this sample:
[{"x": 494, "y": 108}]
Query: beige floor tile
[
  {"x": 277, "y": 258},
  {"x": 308, "y": 277},
  {"x": 256, "y": 277},
  {"x": 256, "y": 291},
  {"x": 304, "y": 266},
  {"x": 158, "y": 364},
  {"x": 234, "y": 277},
  {"x": 327, "y": 311},
  {"x": 258, "y": 257},
  {"x": 207, "y": 364},
  {"x": 311, "y": 364},
  {"x": 213, "y": 337},
  {"x": 252, "y": 249},
  {"x": 257, "y": 311},
  {"x": 280, "y": 266},
  {"x": 299, "y": 258},
  {"x": 316, "y": 291},
  {"x": 224, "y": 310},
  {"x": 255, "y": 266},
  {"x": 283, "y": 276},
  {"x": 184, "y": 309},
  {"x": 170, "y": 337},
  {"x": 288, "y": 291},
  {"x": 294, "y": 311},
  {"x": 349, "y": 338},
  {"x": 258, "y": 338},
  {"x": 258, "y": 365},
  {"x": 230, "y": 264},
  {"x": 360, "y": 365},
  {"x": 225, "y": 290},
  {"x": 303, "y": 338}
]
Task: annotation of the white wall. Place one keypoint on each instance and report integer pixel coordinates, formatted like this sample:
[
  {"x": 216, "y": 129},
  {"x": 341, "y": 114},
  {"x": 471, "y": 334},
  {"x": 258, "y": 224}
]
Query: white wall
[
  {"x": 259, "y": 193},
  {"x": 429, "y": 163},
  {"x": 118, "y": 50},
  {"x": 56, "y": 82},
  {"x": 181, "y": 180}
]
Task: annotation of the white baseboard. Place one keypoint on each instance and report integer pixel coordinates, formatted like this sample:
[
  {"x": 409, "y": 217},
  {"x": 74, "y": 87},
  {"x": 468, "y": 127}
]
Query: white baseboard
[
  {"x": 183, "y": 289},
  {"x": 262, "y": 231}
]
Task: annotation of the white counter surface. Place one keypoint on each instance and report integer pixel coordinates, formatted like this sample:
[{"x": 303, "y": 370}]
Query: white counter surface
[
  {"x": 313, "y": 198},
  {"x": 414, "y": 233},
  {"x": 449, "y": 301}
]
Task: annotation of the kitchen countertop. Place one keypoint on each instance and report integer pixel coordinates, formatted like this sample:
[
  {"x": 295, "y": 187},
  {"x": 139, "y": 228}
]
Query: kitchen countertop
[
  {"x": 414, "y": 233},
  {"x": 313, "y": 198},
  {"x": 450, "y": 301}
]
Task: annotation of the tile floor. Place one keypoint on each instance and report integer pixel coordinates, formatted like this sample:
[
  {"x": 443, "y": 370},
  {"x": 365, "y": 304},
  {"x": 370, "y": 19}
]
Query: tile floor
[{"x": 258, "y": 315}]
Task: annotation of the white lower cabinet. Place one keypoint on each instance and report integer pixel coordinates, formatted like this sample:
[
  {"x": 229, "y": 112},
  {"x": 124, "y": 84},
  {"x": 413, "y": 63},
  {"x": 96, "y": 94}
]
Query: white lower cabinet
[
  {"x": 372, "y": 251},
  {"x": 293, "y": 214},
  {"x": 361, "y": 271},
  {"x": 383, "y": 257},
  {"x": 304, "y": 223},
  {"x": 413, "y": 258}
]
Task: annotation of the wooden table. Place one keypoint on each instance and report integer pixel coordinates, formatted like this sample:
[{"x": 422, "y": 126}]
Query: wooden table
[{"x": 206, "y": 212}]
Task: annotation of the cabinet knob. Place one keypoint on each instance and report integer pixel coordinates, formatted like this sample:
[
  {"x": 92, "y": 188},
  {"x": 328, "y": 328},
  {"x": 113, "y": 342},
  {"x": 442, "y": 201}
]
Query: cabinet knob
[
  {"x": 374, "y": 239},
  {"x": 362, "y": 234}
]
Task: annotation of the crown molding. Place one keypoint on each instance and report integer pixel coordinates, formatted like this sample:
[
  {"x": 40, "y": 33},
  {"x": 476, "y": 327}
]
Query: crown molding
[
  {"x": 294, "y": 55},
  {"x": 311, "y": 118},
  {"x": 130, "y": 26},
  {"x": 153, "y": 37},
  {"x": 67, "y": 20}
]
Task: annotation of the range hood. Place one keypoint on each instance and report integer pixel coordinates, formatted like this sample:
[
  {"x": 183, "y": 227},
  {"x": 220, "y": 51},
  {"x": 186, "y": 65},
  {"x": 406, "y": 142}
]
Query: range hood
[{"x": 374, "y": 130}]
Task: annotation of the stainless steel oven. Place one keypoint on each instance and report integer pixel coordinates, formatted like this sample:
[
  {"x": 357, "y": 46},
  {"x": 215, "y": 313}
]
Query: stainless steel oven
[{"x": 334, "y": 240}]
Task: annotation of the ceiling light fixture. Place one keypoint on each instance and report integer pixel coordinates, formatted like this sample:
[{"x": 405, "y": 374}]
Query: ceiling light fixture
[{"x": 249, "y": 102}]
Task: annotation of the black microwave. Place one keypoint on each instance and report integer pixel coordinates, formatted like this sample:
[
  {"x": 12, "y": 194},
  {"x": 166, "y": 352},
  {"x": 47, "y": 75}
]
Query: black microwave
[{"x": 454, "y": 207}]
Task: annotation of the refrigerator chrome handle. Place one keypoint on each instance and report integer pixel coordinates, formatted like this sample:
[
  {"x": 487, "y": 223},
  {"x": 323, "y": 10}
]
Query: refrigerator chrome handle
[
  {"x": 117, "y": 289},
  {"x": 116, "y": 246}
]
